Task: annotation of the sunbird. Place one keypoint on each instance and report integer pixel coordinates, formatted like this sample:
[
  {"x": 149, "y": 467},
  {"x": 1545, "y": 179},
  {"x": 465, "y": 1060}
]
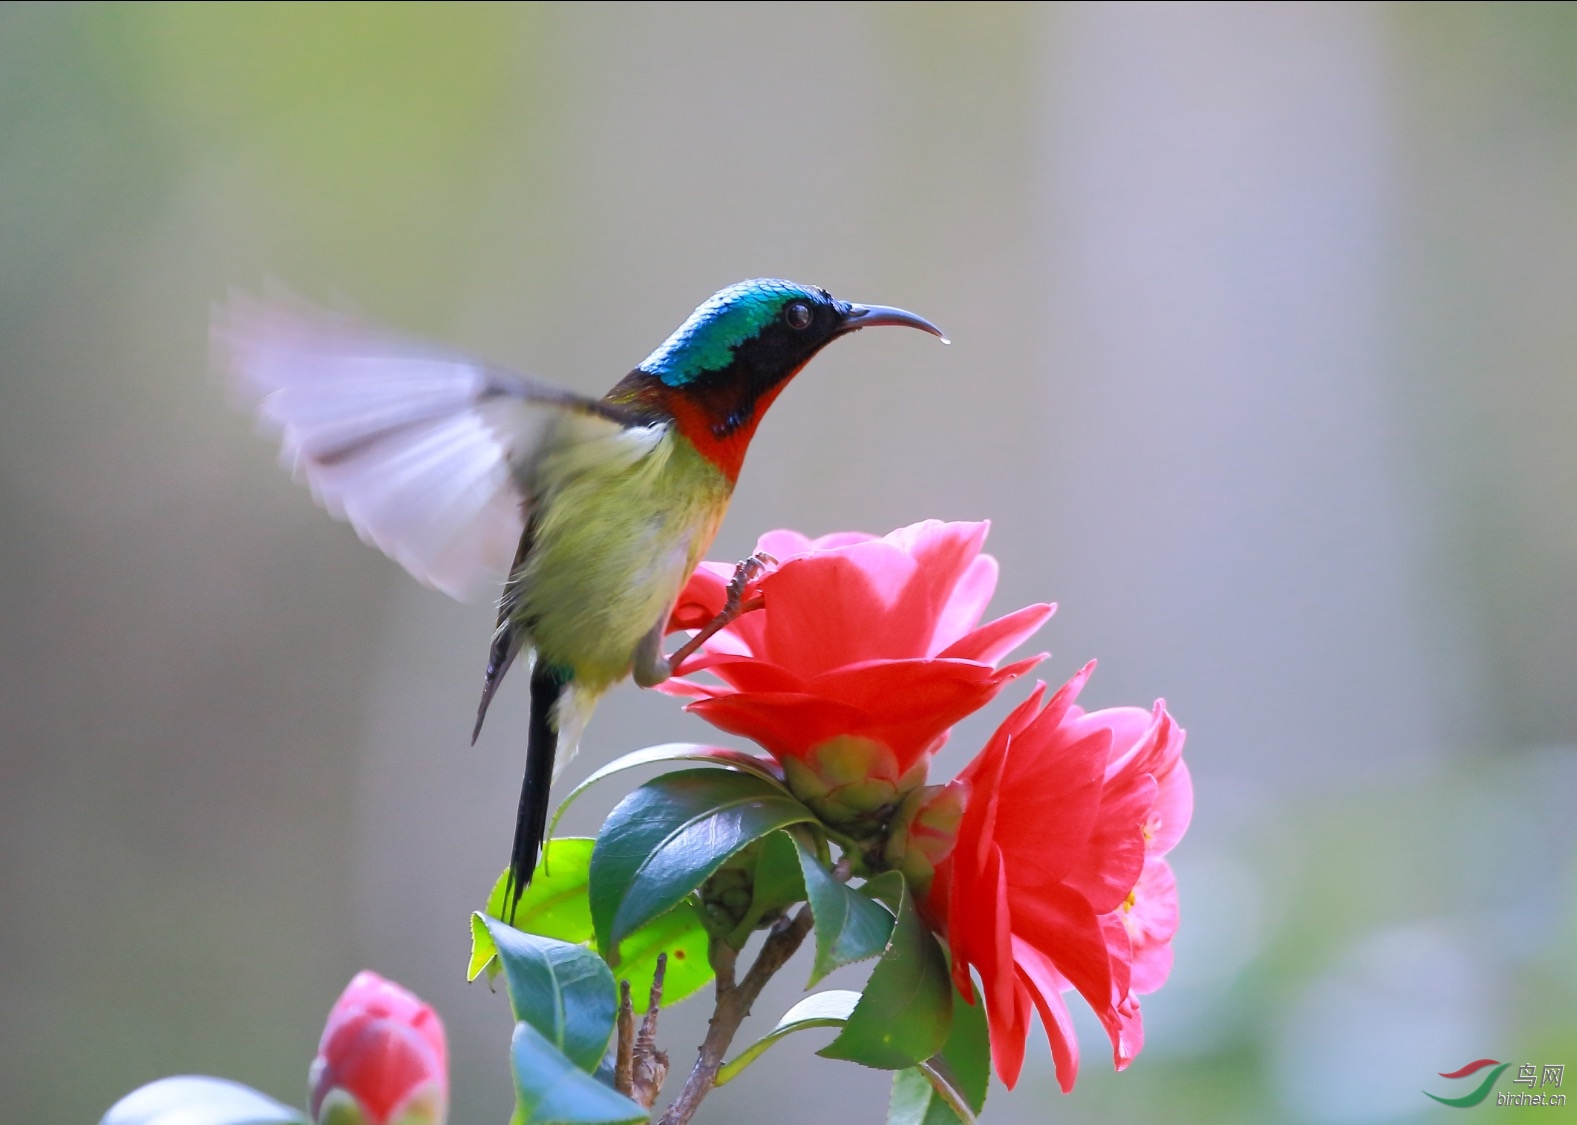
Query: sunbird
[{"x": 590, "y": 513}]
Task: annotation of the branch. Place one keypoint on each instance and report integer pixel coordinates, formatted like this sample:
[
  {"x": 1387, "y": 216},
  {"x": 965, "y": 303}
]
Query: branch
[
  {"x": 624, "y": 1058},
  {"x": 649, "y": 1067},
  {"x": 733, "y": 1005},
  {"x": 639, "y": 1068}
]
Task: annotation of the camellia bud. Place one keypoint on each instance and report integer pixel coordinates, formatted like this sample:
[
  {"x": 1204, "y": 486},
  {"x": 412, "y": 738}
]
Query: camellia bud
[
  {"x": 924, "y": 831},
  {"x": 852, "y": 783},
  {"x": 382, "y": 1059}
]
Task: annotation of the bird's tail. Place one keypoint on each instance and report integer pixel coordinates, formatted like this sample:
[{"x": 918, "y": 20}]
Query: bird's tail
[
  {"x": 531, "y": 821},
  {"x": 558, "y": 715}
]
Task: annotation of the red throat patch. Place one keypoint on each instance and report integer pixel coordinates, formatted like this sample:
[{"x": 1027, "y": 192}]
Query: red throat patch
[{"x": 696, "y": 424}]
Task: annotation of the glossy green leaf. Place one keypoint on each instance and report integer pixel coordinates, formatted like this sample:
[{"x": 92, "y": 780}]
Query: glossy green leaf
[
  {"x": 823, "y": 1009},
  {"x": 561, "y": 989},
  {"x": 197, "y": 1100},
  {"x": 555, "y": 905},
  {"x": 678, "y": 933},
  {"x": 667, "y": 837},
  {"x": 904, "y": 1016},
  {"x": 951, "y": 1086},
  {"x": 850, "y": 926},
  {"x": 764, "y": 768},
  {"x": 551, "y": 1090}
]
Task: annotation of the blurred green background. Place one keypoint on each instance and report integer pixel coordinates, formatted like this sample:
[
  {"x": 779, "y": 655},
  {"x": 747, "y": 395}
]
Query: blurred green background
[{"x": 1263, "y": 367}]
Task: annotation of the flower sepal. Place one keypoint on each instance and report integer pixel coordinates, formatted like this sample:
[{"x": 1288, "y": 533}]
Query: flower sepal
[
  {"x": 924, "y": 830},
  {"x": 854, "y": 784},
  {"x": 752, "y": 889},
  {"x": 424, "y": 1106}
]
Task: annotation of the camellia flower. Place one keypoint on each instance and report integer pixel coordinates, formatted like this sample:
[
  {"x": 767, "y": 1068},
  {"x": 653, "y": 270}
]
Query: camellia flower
[
  {"x": 865, "y": 651},
  {"x": 1053, "y": 878},
  {"x": 382, "y": 1059}
]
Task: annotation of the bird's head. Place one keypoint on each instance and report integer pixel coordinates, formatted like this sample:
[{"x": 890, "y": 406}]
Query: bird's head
[{"x": 727, "y": 362}]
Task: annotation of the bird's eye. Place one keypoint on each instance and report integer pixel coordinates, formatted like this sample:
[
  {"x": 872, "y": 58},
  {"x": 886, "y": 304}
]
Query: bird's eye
[{"x": 797, "y": 315}]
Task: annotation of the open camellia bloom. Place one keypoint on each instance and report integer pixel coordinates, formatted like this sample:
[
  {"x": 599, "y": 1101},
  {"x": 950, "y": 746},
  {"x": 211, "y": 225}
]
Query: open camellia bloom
[
  {"x": 865, "y": 651},
  {"x": 1054, "y": 878},
  {"x": 382, "y": 1059}
]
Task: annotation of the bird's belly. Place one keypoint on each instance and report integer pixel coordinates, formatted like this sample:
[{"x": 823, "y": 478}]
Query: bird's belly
[{"x": 608, "y": 558}]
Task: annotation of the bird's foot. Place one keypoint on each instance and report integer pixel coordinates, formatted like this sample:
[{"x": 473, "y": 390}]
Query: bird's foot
[
  {"x": 745, "y": 572},
  {"x": 734, "y": 606},
  {"x": 651, "y": 667}
]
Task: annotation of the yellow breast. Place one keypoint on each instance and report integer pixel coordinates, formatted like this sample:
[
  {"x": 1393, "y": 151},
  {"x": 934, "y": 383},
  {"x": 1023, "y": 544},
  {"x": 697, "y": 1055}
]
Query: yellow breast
[{"x": 617, "y": 531}]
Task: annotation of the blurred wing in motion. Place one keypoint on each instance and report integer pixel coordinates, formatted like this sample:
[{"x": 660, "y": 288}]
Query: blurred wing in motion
[{"x": 427, "y": 454}]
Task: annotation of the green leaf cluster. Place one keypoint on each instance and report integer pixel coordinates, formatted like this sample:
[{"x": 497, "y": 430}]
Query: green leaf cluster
[
  {"x": 556, "y": 905},
  {"x": 666, "y": 839},
  {"x": 564, "y": 1000},
  {"x": 705, "y": 856}
]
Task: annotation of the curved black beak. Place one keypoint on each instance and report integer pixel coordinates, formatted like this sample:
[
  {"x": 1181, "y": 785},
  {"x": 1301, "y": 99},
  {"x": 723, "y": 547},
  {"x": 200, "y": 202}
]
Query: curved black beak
[{"x": 870, "y": 316}]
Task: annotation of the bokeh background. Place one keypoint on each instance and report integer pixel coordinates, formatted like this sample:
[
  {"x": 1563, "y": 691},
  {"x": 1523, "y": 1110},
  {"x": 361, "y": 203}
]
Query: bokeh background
[{"x": 1263, "y": 367}]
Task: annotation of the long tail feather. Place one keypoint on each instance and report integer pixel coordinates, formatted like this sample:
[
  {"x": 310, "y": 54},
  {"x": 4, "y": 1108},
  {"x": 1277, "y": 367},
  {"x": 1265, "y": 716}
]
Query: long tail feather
[{"x": 531, "y": 821}]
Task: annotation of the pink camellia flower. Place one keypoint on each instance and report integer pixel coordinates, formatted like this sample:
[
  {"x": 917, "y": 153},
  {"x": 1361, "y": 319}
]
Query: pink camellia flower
[
  {"x": 382, "y": 1059},
  {"x": 865, "y": 651},
  {"x": 1053, "y": 880}
]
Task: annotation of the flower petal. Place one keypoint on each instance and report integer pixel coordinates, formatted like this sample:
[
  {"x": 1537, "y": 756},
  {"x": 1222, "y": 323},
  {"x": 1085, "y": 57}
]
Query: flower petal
[
  {"x": 1045, "y": 985},
  {"x": 1060, "y": 923},
  {"x": 1050, "y": 801},
  {"x": 836, "y": 608},
  {"x": 966, "y": 605},
  {"x": 1114, "y": 857},
  {"x": 785, "y": 724},
  {"x": 1151, "y": 923},
  {"x": 992, "y": 641}
]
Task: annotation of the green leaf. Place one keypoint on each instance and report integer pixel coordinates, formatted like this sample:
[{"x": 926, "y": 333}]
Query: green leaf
[
  {"x": 822, "y": 1009},
  {"x": 966, "y": 1056},
  {"x": 198, "y": 1100},
  {"x": 562, "y": 990},
  {"x": 849, "y": 926},
  {"x": 764, "y": 768},
  {"x": 551, "y": 1090},
  {"x": 904, "y": 1016},
  {"x": 951, "y": 1086},
  {"x": 678, "y": 933},
  {"x": 667, "y": 837},
  {"x": 922, "y": 1096},
  {"x": 555, "y": 905}
]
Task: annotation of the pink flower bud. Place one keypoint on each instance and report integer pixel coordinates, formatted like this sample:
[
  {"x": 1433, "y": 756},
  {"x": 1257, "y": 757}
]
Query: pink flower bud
[{"x": 382, "y": 1059}]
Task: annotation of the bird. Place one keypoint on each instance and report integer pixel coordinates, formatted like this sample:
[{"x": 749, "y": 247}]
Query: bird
[{"x": 589, "y": 514}]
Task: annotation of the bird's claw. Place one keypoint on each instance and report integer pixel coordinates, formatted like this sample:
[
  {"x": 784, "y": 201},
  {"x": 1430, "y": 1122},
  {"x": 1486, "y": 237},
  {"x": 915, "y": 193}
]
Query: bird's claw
[
  {"x": 745, "y": 572},
  {"x": 734, "y": 606}
]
